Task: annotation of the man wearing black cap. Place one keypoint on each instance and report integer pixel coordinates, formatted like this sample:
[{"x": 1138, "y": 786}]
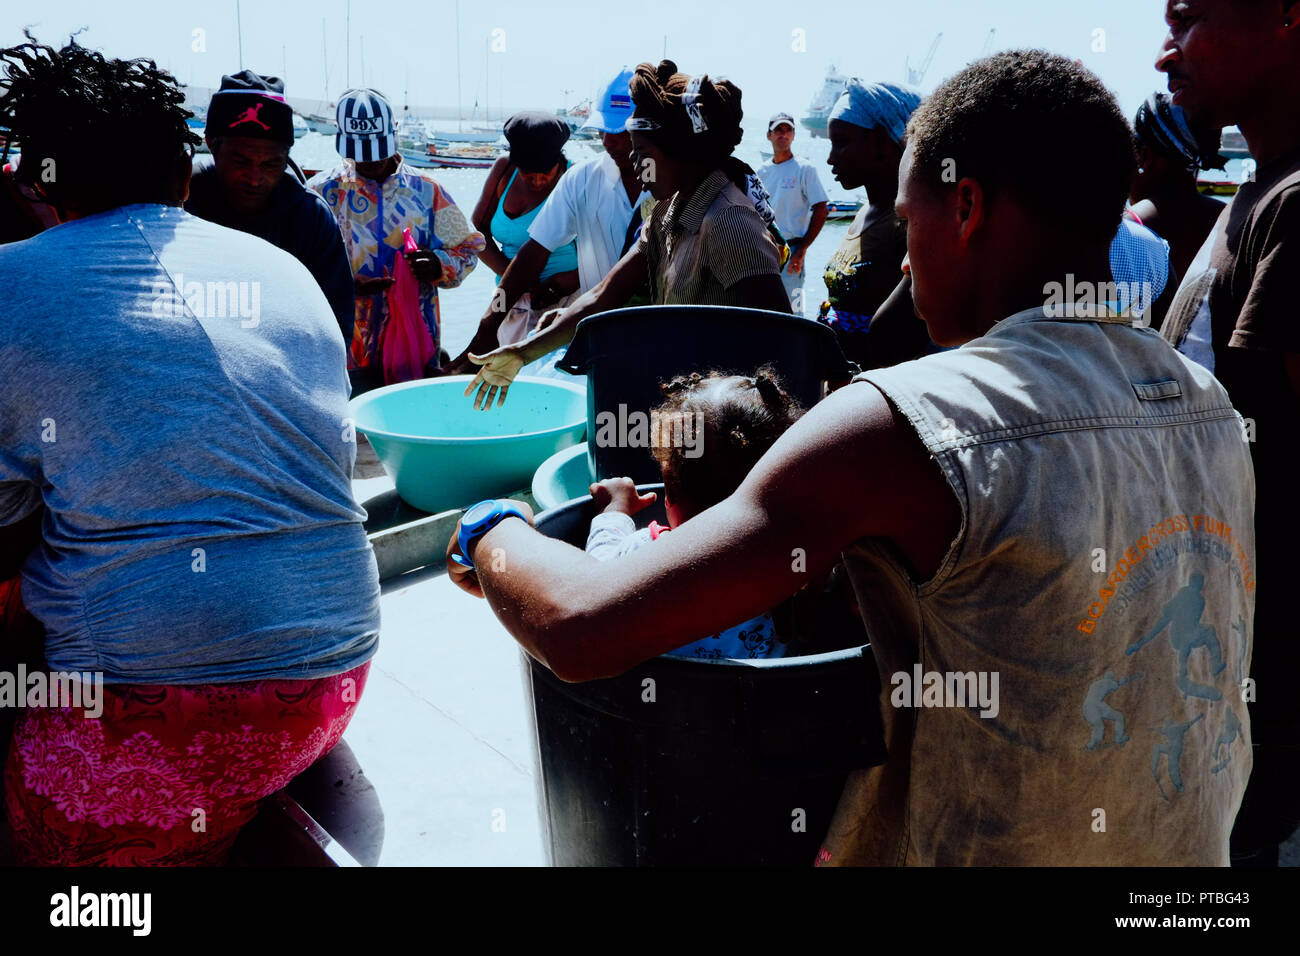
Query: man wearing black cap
[{"x": 248, "y": 187}]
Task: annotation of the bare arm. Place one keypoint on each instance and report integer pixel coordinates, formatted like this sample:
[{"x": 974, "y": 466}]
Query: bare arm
[
  {"x": 520, "y": 276},
  {"x": 491, "y": 255},
  {"x": 818, "y": 489},
  {"x": 819, "y": 214},
  {"x": 500, "y": 366}
]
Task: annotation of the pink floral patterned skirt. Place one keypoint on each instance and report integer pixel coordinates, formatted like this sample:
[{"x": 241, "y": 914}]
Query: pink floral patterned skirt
[{"x": 166, "y": 775}]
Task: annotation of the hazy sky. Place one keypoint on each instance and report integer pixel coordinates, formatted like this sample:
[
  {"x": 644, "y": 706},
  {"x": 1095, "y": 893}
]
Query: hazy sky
[{"x": 777, "y": 52}]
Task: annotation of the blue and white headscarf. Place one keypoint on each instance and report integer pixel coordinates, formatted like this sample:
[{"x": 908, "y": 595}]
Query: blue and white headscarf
[{"x": 871, "y": 105}]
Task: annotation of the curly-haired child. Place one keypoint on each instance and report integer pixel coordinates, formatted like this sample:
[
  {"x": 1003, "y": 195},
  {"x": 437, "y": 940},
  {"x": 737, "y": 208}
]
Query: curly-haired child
[{"x": 707, "y": 436}]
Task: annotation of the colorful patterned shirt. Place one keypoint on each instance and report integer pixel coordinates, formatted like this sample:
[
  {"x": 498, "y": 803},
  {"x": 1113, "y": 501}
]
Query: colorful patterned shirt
[{"x": 371, "y": 217}]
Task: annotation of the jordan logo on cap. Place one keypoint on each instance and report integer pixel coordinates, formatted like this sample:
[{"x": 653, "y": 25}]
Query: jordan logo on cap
[{"x": 249, "y": 116}]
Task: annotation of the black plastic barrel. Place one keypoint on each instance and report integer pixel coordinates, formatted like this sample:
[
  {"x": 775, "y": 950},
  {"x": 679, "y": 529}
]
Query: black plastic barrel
[
  {"x": 696, "y": 762},
  {"x": 627, "y": 353}
]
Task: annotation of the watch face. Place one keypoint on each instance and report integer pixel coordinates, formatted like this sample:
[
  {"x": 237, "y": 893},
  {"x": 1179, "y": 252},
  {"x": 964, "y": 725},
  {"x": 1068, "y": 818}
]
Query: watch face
[{"x": 479, "y": 512}]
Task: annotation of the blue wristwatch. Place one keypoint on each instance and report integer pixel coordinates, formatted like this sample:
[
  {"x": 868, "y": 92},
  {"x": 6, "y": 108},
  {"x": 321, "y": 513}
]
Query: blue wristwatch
[{"x": 477, "y": 521}]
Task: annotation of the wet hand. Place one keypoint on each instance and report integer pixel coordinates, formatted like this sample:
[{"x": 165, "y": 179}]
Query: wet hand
[
  {"x": 620, "y": 494},
  {"x": 498, "y": 370}
]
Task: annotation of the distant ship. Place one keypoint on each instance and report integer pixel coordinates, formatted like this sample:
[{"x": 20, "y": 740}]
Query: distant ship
[
  {"x": 575, "y": 116},
  {"x": 820, "y": 109}
]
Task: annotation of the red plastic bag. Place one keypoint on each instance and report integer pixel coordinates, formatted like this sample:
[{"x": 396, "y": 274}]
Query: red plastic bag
[{"x": 405, "y": 342}]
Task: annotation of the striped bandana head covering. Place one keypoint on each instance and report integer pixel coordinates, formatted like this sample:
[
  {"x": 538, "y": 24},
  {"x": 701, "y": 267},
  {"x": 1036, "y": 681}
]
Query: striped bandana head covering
[
  {"x": 1163, "y": 126},
  {"x": 870, "y": 105},
  {"x": 366, "y": 130}
]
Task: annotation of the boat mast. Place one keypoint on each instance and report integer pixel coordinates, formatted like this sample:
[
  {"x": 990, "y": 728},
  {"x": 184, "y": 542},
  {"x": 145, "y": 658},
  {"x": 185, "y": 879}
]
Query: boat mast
[
  {"x": 347, "y": 33},
  {"x": 325, "y": 63},
  {"x": 459, "y": 126},
  {"x": 239, "y": 29}
]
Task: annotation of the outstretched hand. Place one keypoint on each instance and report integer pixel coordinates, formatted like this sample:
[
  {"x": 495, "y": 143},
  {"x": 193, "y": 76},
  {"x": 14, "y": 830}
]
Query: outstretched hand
[
  {"x": 620, "y": 494},
  {"x": 498, "y": 369}
]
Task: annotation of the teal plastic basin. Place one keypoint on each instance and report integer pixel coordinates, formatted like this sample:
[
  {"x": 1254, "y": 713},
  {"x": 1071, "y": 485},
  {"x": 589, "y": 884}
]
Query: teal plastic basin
[
  {"x": 564, "y": 476},
  {"x": 442, "y": 453}
]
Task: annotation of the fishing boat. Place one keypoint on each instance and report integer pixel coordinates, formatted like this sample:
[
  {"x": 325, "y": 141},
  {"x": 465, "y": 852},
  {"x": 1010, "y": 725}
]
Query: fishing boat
[
  {"x": 1240, "y": 168},
  {"x": 466, "y": 136},
  {"x": 460, "y": 156},
  {"x": 843, "y": 209},
  {"x": 1233, "y": 144},
  {"x": 413, "y": 143},
  {"x": 820, "y": 109},
  {"x": 456, "y": 162},
  {"x": 575, "y": 117}
]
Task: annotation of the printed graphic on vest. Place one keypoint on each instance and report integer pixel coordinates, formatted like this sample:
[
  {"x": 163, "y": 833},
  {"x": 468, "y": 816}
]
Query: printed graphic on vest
[{"x": 1172, "y": 643}]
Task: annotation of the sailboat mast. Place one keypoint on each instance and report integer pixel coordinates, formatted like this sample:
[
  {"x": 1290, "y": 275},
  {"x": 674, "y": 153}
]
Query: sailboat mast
[
  {"x": 347, "y": 33},
  {"x": 325, "y": 63},
  {"x": 239, "y": 29},
  {"x": 459, "y": 127}
]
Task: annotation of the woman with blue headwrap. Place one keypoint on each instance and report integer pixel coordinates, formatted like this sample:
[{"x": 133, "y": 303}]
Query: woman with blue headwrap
[
  {"x": 1164, "y": 194},
  {"x": 866, "y": 130}
]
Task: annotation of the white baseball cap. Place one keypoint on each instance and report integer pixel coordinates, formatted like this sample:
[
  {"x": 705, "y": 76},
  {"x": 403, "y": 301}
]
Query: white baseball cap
[{"x": 778, "y": 119}]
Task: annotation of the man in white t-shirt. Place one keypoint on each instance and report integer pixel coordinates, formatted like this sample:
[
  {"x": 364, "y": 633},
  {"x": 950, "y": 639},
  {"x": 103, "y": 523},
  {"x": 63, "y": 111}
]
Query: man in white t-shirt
[
  {"x": 798, "y": 200},
  {"x": 595, "y": 202}
]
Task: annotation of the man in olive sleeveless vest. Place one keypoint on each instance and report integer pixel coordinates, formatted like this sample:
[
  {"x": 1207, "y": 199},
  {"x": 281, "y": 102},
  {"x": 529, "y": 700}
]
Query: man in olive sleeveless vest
[{"x": 1050, "y": 527}]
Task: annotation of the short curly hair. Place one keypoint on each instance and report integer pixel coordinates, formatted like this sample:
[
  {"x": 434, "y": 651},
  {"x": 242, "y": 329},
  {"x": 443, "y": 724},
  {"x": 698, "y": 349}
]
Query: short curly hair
[
  {"x": 111, "y": 130},
  {"x": 1033, "y": 125}
]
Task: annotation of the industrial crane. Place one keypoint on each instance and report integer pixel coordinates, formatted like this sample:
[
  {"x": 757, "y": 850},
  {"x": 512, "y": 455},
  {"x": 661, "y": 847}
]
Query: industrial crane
[{"x": 916, "y": 74}]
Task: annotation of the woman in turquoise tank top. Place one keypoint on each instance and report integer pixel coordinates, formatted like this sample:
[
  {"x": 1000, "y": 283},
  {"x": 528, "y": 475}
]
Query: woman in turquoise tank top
[{"x": 516, "y": 188}]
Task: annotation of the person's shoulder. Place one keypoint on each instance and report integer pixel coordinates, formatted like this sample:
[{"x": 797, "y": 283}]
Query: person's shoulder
[
  {"x": 422, "y": 183},
  {"x": 733, "y": 211},
  {"x": 1280, "y": 203},
  {"x": 328, "y": 178},
  {"x": 807, "y": 169},
  {"x": 579, "y": 172},
  {"x": 416, "y": 177},
  {"x": 203, "y": 178},
  {"x": 498, "y": 168},
  {"x": 307, "y": 202}
]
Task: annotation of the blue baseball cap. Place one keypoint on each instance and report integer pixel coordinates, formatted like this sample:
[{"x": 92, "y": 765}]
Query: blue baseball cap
[{"x": 613, "y": 106}]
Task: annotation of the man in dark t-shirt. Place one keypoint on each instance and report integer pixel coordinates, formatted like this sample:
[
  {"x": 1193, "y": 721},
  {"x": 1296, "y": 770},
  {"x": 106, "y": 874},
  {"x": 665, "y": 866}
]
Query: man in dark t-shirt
[
  {"x": 1237, "y": 313},
  {"x": 249, "y": 131}
]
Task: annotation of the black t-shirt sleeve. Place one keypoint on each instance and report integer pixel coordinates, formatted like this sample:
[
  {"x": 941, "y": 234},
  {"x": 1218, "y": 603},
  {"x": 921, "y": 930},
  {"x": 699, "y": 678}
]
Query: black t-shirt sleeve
[{"x": 328, "y": 263}]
